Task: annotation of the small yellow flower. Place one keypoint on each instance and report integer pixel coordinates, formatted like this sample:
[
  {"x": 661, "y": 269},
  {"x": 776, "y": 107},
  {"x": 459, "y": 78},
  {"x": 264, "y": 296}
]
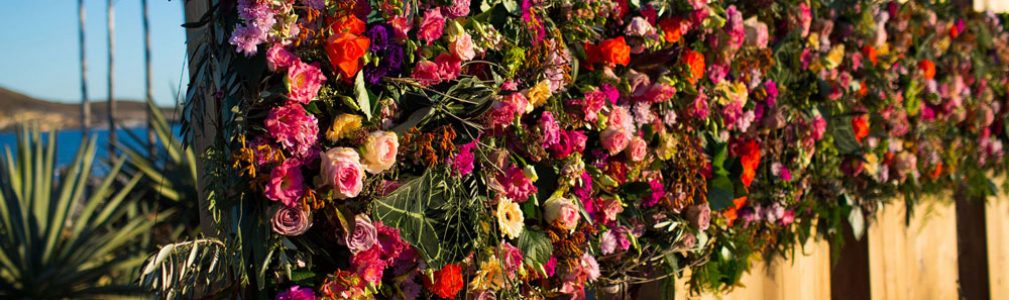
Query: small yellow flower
[
  {"x": 539, "y": 94},
  {"x": 835, "y": 56},
  {"x": 509, "y": 218},
  {"x": 490, "y": 276},
  {"x": 343, "y": 125},
  {"x": 667, "y": 146},
  {"x": 871, "y": 165}
]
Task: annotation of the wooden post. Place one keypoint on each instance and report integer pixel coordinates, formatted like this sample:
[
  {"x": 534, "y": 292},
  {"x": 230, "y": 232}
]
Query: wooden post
[
  {"x": 849, "y": 275},
  {"x": 203, "y": 135},
  {"x": 85, "y": 105},
  {"x": 972, "y": 248},
  {"x": 111, "y": 107}
]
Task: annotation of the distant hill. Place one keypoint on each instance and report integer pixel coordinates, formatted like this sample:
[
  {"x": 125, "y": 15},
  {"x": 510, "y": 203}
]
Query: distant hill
[{"x": 17, "y": 108}]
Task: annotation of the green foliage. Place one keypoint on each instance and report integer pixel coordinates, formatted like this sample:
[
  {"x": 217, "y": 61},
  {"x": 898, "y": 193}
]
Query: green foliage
[{"x": 58, "y": 241}]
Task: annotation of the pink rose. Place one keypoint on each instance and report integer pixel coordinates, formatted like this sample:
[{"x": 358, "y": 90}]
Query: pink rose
[
  {"x": 578, "y": 139},
  {"x": 426, "y": 73},
  {"x": 279, "y": 58},
  {"x": 699, "y": 216},
  {"x": 291, "y": 221},
  {"x": 380, "y": 151},
  {"x": 286, "y": 183},
  {"x": 512, "y": 258},
  {"x": 620, "y": 117},
  {"x": 637, "y": 149},
  {"x": 615, "y": 140},
  {"x": 562, "y": 213},
  {"x": 304, "y": 81},
  {"x": 432, "y": 27},
  {"x": 341, "y": 170},
  {"x": 364, "y": 236},
  {"x": 550, "y": 130},
  {"x": 462, "y": 47}
]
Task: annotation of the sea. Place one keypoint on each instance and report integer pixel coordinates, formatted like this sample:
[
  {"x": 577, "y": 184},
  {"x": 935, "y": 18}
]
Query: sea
[{"x": 69, "y": 140}]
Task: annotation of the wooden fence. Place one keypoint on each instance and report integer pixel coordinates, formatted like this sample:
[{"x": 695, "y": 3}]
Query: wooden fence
[{"x": 922, "y": 258}]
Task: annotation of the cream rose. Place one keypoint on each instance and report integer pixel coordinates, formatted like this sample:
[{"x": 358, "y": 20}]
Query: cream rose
[
  {"x": 380, "y": 151},
  {"x": 509, "y": 218},
  {"x": 562, "y": 212}
]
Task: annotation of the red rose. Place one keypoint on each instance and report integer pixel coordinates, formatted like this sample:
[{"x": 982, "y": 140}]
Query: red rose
[
  {"x": 447, "y": 281},
  {"x": 345, "y": 51}
]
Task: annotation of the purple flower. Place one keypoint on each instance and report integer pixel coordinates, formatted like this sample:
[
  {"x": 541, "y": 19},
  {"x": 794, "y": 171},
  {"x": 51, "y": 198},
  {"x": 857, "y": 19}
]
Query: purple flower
[
  {"x": 364, "y": 236},
  {"x": 291, "y": 221}
]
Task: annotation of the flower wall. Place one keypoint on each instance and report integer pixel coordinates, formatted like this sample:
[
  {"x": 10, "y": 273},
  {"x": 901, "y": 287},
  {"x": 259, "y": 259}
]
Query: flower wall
[{"x": 546, "y": 148}]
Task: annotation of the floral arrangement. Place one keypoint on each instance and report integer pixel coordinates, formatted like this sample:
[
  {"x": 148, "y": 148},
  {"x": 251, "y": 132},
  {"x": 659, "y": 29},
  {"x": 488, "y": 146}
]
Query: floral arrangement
[{"x": 541, "y": 148}]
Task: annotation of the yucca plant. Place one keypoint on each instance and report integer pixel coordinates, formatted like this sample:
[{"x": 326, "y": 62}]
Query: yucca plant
[{"x": 59, "y": 236}]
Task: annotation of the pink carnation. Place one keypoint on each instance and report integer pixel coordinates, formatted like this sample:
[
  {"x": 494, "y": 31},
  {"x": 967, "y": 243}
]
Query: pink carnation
[
  {"x": 459, "y": 8},
  {"x": 511, "y": 258},
  {"x": 517, "y": 186},
  {"x": 551, "y": 131},
  {"x": 304, "y": 81},
  {"x": 432, "y": 27},
  {"x": 426, "y": 72},
  {"x": 293, "y": 128},
  {"x": 286, "y": 183},
  {"x": 449, "y": 67},
  {"x": 463, "y": 161}
]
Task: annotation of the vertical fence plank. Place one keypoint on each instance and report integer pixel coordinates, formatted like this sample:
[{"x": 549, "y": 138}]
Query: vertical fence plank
[
  {"x": 997, "y": 223},
  {"x": 849, "y": 276},
  {"x": 973, "y": 257},
  {"x": 916, "y": 260}
]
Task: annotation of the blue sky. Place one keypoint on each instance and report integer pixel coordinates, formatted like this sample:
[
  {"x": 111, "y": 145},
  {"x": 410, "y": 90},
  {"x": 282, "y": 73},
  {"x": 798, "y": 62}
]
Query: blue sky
[{"x": 39, "y": 56}]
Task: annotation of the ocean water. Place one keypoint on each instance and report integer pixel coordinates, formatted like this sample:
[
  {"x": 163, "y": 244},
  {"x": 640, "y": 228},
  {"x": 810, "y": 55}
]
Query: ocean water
[{"x": 69, "y": 140}]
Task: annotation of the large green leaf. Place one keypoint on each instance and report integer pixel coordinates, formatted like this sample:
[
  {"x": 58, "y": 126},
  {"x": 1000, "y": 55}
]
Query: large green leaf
[
  {"x": 536, "y": 247},
  {"x": 406, "y": 209}
]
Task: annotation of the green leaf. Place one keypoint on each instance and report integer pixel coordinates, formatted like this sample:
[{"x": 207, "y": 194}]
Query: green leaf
[
  {"x": 405, "y": 209},
  {"x": 635, "y": 190},
  {"x": 720, "y": 192},
  {"x": 363, "y": 99},
  {"x": 844, "y": 135},
  {"x": 536, "y": 246}
]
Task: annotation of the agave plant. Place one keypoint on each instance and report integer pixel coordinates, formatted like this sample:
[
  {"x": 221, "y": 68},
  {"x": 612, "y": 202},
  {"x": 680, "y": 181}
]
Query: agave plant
[
  {"x": 61, "y": 237},
  {"x": 169, "y": 175}
]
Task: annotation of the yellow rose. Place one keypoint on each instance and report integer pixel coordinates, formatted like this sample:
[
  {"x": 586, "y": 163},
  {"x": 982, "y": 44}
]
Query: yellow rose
[
  {"x": 538, "y": 94},
  {"x": 835, "y": 56},
  {"x": 343, "y": 125},
  {"x": 509, "y": 218}
]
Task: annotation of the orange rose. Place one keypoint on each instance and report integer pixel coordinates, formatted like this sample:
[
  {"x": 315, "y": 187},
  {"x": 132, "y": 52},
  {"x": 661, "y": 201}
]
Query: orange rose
[
  {"x": 730, "y": 212},
  {"x": 749, "y": 157},
  {"x": 348, "y": 24},
  {"x": 615, "y": 51},
  {"x": 671, "y": 29},
  {"x": 927, "y": 68},
  {"x": 860, "y": 125},
  {"x": 870, "y": 53},
  {"x": 695, "y": 62},
  {"x": 345, "y": 51}
]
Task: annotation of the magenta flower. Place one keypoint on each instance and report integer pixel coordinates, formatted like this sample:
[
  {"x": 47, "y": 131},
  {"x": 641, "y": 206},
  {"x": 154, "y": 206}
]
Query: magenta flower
[
  {"x": 293, "y": 128},
  {"x": 278, "y": 57},
  {"x": 286, "y": 183},
  {"x": 296, "y": 292},
  {"x": 462, "y": 164},
  {"x": 517, "y": 186}
]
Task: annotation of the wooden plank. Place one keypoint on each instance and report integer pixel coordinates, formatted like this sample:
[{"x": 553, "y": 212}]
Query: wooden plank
[
  {"x": 849, "y": 275},
  {"x": 972, "y": 248},
  {"x": 997, "y": 223},
  {"x": 916, "y": 260}
]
